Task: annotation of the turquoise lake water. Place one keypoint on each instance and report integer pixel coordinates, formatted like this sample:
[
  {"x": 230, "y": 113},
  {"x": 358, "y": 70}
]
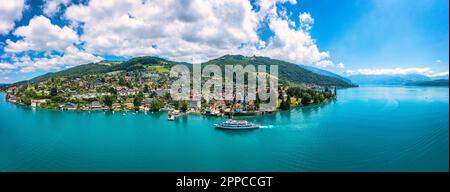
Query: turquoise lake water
[{"x": 366, "y": 129}]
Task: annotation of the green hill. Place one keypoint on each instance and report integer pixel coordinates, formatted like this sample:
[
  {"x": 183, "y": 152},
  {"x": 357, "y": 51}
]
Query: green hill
[{"x": 288, "y": 72}]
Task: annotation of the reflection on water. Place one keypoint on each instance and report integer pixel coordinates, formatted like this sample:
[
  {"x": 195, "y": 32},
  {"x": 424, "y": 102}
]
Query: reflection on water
[{"x": 235, "y": 132}]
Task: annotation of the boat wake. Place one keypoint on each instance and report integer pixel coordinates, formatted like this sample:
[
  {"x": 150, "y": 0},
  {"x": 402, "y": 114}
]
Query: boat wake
[{"x": 266, "y": 127}]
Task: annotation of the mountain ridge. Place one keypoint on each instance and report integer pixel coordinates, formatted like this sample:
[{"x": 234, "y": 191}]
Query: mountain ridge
[
  {"x": 288, "y": 72},
  {"x": 437, "y": 82},
  {"x": 388, "y": 79}
]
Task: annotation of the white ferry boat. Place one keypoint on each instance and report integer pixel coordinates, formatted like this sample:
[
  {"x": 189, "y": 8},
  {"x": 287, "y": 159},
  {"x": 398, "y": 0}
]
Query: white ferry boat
[{"x": 234, "y": 124}]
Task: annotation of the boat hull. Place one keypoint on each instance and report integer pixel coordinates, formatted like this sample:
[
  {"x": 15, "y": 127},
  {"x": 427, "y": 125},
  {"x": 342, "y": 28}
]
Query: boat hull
[{"x": 236, "y": 128}]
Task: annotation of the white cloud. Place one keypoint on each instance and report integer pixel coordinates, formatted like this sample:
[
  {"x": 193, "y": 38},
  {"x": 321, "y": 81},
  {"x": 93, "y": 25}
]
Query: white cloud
[
  {"x": 340, "y": 65},
  {"x": 53, "y": 6},
  {"x": 439, "y": 74},
  {"x": 169, "y": 28},
  {"x": 324, "y": 63},
  {"x": 72, "y": 57},
  {"x": 4, "y": 72},
  {"x": 182, "y": 30},
  {"x": 7, "y": 66},
  {"x": 41, "y": 35},
  {"x": 288, "y": 43},
  {"x": 397, "y": 71},
  {"x": 306, "y": 21},
  {"x": 437, "y": 61},
  {"x": 10, "y": 11}
]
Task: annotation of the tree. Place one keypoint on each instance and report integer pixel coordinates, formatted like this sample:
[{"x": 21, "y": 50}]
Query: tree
[
  {"x": 306, "y": 99},
  {"x": 53, "y": 91},
  {"x": 156, "y": 105},
  {"x": 122, "y": 81},
  {"x": 177, "y": 104},
  {"x": 184, "y": 107},
  {"x": 108, "y": 101},
  {"x": 285, "y": 104},
  {"x": 320, "y": 99},
  {"x": 146, "y": 89},
  {"x": 25, "y": 100},
  {"x": 58, "y": 99},
  {"x": 112, "y": 91},
  {"x": 205, "y": 105},
  {"x": 137, "y": 102},
  {"x": 23, "y": 88},
  {"x": 167, "y": 96}
]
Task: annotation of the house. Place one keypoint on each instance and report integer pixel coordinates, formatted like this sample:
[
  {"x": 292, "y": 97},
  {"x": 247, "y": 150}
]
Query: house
[
  {"x": 95, "y": 105},
  {"x": 195, "y": 103},
  {"x": 90, "y": 95},
  {"x": 129, "y": 106},
  {"x": 121, "y": 88},
  {"x": 71, "y": 92},
  {"x": 12, "y": 90},
  {"x": 68, "y": 106},
  {"x": 144, "y": 108},
  {"x": 216, "y": 104},
  {"x": 147, "y": 95},
  {"x": 237, "y": 108},
  {"x": 122, "y": 92},
  {"x": 161, "y": 92},
  {"x": 37, "y": 102},
  {"x": 116, "y": 106},
  {"x": 146, "y": 102},
  {"x": 151, "y": 75},
  {"x": 128, "y": 92},
  {"x": 13, "y": 98}
]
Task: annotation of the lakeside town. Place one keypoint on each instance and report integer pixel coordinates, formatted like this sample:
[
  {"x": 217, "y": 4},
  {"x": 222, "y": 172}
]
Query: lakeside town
[{"x": 147, "y": 90}]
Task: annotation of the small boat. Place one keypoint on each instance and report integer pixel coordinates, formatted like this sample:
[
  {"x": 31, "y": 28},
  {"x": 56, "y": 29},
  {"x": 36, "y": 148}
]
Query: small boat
[
  {"x": 233, "y": 124},
  {"x": 171, "y": 117}
]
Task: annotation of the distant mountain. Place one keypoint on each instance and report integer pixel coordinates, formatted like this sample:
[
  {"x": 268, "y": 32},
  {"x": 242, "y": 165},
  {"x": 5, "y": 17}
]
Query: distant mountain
[
  {"x": 440, "y": 77},
  {"x": 288, "y": 72},
  {"x": 439, "y": 82},
  {"x": 388, "y": 79},
  {"x": 326, "y": 73},
  {"x": 3, "y": 85}
]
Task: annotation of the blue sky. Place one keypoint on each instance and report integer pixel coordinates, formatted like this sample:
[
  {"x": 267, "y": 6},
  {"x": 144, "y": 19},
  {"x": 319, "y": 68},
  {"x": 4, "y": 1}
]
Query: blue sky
[{"x": 345, "y": 36}]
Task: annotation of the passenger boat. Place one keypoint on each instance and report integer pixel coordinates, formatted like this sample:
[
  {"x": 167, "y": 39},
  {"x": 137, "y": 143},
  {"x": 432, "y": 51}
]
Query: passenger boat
[{"x": 234, "y": 124}]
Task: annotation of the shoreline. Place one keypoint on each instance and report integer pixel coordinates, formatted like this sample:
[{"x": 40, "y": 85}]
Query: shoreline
[{"x": 197, "y": 113}]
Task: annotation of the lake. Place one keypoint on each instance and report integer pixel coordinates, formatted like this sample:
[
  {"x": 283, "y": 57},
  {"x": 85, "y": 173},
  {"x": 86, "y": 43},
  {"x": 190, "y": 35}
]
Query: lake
[{"x": 365, "y": 129}]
